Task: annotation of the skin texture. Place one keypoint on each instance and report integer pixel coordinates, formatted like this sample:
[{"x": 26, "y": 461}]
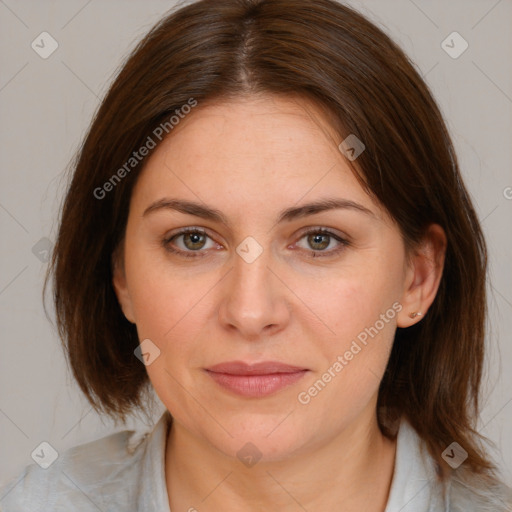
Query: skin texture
[{"x": 251, "y": 158}]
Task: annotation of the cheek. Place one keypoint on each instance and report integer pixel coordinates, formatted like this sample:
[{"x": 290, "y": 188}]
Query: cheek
[
  {"x": 353, "y": 300},
  {"x": 163, "y": 300},
  {"x": 358, "y": 310},
  {"x": 362, "y": 315},
  {"x": 170, "y": 311}
]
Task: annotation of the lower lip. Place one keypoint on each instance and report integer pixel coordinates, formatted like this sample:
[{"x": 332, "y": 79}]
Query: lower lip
[{"x": 256, "y": 385}]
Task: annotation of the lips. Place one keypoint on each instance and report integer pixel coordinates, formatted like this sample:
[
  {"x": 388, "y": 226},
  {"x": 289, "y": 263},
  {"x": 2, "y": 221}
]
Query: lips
[
  {"x": 255, "y": 380},
  {"x": 264, "y": 368}
]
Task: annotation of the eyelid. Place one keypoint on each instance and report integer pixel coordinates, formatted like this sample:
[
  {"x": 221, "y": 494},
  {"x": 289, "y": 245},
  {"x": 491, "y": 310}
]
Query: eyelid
[{"x": 326, "y": 230}]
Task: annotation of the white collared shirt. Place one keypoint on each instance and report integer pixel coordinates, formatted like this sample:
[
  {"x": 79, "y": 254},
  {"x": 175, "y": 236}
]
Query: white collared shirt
[{"x": 125, "y": 472}]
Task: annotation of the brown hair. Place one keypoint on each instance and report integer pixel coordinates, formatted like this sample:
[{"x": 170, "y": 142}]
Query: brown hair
[{"x": 329, "y": 53}]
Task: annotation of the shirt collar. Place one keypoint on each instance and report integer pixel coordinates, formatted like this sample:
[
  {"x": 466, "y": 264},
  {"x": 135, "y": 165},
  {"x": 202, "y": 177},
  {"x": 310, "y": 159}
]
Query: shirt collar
[
  {"x": 153, "y": 495},
  {"x": 413, "y": 488}
]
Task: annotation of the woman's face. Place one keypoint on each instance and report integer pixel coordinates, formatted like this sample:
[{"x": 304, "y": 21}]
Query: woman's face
[{"x": 260, "y": 282}]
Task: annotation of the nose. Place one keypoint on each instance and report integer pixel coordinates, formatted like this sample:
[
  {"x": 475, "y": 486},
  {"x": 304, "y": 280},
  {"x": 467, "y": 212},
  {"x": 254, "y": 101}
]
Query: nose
[{"x": 254, "y": 299}]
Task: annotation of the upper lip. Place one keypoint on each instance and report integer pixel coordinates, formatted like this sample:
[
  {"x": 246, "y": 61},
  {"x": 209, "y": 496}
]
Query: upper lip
[{"x": 263, "y": 368}]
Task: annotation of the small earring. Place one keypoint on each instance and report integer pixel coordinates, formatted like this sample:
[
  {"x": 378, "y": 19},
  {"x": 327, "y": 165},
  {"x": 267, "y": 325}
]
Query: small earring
[{"x": 415, "y": 314}]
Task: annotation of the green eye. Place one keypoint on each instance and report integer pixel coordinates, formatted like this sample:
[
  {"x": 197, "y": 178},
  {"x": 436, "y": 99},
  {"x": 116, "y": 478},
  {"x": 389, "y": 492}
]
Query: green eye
[
  {"x": 319, "y": 239},
  {"x": 192, "y": 241}
]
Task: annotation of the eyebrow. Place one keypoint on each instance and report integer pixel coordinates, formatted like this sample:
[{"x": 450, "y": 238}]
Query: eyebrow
[{"x": 288, "y": 215}]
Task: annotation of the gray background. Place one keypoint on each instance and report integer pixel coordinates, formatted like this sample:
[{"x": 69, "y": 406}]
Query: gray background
[{"x": 46, "y": 105}]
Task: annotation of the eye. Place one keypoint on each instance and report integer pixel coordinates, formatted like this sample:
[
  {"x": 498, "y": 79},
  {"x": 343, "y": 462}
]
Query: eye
[
  {"x": 189, "y": 242},
  {"x": 320, "y": 240}
]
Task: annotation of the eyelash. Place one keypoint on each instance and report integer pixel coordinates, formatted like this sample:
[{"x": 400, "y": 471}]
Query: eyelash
[{"x": 166, "y": 242}]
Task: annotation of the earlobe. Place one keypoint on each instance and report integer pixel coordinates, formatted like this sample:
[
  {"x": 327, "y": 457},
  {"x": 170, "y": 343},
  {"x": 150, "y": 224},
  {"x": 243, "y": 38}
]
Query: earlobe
[
  {"x": 121, "y": 288},
  {"x": 423, "y": 276}
]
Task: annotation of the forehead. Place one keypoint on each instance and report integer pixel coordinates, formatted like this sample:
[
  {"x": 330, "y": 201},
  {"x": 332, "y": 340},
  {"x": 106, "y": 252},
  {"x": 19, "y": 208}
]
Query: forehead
[
  {"x": 258, "y": 149},
  {"x": 259, "y": 127}
]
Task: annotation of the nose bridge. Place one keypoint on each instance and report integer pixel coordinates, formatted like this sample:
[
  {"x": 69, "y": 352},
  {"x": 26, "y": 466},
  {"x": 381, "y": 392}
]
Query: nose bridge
[
  {"x": 252, "y": 278},
  {"x": 251, "y": 264},
  {"x": 253, "y": 301}
]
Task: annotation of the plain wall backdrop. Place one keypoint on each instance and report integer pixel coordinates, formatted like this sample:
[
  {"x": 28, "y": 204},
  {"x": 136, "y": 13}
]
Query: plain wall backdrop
[{"x": 46, "y": 105}]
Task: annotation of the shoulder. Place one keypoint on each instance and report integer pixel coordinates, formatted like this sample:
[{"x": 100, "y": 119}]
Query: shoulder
[
  {"x": 416, "y": 486},
  {"x": 477, "y": 493},
  {"x": 91, "y": 476}
]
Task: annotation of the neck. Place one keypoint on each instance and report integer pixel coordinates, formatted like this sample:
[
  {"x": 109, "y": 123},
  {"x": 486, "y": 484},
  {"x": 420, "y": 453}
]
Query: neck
[{"x": 354, "y": 469}]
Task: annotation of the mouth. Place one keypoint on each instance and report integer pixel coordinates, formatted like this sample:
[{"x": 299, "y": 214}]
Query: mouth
[{"x": 255, "y": 380}]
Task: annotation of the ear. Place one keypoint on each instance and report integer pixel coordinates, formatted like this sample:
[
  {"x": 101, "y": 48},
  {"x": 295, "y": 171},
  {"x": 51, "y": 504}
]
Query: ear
[
  {"x": 423, "y": 275},
  {"x": 119, "y": 283}
]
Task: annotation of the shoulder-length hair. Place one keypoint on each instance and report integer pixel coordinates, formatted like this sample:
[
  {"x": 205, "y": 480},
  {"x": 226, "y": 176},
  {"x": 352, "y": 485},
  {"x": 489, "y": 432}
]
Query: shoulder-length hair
[{"x": 328, "y": 53}]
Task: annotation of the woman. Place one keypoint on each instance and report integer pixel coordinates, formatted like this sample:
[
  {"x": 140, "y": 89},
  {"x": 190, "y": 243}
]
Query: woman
[{"x": 267, "y": 226}]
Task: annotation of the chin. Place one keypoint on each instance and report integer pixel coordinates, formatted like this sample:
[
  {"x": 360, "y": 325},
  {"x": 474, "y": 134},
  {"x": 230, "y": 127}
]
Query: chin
[{"x": 264, "y": 440}]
